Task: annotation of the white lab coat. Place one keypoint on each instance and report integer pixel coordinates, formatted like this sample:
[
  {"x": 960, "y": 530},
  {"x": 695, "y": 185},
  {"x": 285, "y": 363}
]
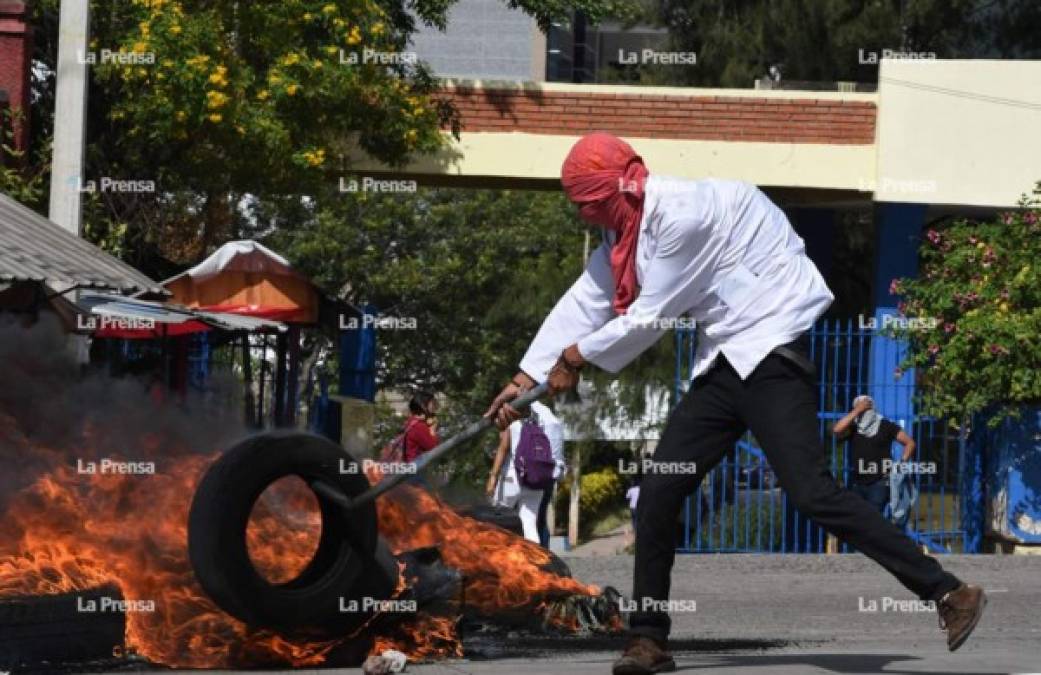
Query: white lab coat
[{"x": 717, "y": 251}]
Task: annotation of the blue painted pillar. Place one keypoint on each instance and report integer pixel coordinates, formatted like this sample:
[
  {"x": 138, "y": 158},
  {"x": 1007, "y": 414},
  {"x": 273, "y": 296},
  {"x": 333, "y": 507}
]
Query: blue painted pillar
[
  {"x": 358, "y": 357},
  {"x": 898, "y": 230}
]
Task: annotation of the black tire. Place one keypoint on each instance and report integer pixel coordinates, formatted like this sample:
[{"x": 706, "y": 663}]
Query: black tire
[
  {"x": 51, "y": 630},
  {"x": 349, "y": 554},
  {"x": 499, "y": 516}
]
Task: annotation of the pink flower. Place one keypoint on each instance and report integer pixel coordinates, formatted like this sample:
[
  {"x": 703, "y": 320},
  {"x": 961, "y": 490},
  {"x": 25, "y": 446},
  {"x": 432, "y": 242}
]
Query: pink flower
[
  {"x": 895, "y": 287},
  {"x": 973, "y": 239},
  {"x": 1007, "y": 218},
  {"x": 933, "y": 236},
  {"x": 1030, "y": 217},
  {"x": 949, "y": 327},
  {"x": 934, "y": 349}
]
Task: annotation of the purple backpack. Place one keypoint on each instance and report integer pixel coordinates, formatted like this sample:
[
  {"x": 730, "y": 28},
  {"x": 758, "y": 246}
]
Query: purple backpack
[{"x": 534, "y": 457}]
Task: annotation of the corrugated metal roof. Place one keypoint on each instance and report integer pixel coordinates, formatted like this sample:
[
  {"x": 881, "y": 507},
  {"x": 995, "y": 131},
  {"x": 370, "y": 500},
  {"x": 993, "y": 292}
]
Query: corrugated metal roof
[{"x": 32, "y": 248}]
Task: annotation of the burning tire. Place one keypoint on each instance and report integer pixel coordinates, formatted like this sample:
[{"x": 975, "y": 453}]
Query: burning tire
[{"x": 349, "y": 563}]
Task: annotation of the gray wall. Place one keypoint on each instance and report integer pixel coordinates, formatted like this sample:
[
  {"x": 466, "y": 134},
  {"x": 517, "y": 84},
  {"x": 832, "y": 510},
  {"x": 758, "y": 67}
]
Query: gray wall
[{"x": 484, "y": 40}]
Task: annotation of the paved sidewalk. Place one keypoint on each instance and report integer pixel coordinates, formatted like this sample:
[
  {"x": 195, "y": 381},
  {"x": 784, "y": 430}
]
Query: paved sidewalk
[{"x": 611, "y": 544}]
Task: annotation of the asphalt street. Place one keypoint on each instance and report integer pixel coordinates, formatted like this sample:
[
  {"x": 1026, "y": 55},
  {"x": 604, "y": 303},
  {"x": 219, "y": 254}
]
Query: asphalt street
[{"x": 800, "y": 614}]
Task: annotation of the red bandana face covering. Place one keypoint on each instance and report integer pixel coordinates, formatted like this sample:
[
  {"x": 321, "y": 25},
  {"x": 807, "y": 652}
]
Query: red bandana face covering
[{"x": 605, "y": 177}]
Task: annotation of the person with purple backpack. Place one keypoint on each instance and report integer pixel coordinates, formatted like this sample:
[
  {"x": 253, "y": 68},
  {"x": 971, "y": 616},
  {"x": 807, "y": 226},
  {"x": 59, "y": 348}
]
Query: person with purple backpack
[{"x": 528, "y": 463}]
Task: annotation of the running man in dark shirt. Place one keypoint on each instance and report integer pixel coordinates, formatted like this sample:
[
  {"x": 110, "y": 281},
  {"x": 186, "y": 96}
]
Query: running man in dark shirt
[{"x": 870, "y": 438}]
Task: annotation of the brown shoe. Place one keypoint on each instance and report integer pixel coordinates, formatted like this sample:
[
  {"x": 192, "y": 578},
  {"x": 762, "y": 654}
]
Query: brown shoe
[
  {"x": 960, "y": 611},
  {"x": 643, "y": 656}
]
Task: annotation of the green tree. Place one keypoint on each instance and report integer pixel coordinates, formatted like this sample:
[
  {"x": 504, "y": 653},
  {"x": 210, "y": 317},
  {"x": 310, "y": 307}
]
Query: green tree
[
  {"x": 478, "y": 270},
  {"x": 240, "y": 102}
]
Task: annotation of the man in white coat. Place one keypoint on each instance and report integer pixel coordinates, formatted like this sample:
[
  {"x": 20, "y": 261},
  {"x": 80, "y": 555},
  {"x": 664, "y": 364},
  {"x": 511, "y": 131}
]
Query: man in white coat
[{"x": 723, "y": 254}]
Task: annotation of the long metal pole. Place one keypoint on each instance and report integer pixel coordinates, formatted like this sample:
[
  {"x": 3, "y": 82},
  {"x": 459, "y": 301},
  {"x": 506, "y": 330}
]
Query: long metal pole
[{"x": 427, "y": 458}]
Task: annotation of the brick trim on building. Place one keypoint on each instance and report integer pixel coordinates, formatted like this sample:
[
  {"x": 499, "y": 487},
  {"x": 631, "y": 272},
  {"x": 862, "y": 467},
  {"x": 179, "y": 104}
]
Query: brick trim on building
[
  {"x": 712, "y": 118},
  {"x": 15, "y": 59}
]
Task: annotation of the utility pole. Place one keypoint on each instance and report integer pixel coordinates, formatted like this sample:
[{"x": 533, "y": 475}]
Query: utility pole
[
  {"x": 576, "y": 458},
  {"x": 70, "y": 115}
]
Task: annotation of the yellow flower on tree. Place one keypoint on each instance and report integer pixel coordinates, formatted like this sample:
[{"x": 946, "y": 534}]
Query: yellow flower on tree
[
  {"x": 216, "y": 99},
  {"x": 315, "y": 157},
  {"x": 355, "y": 36},
  {"x": 199, "y": 61},
  {"x": 216, "y": 118},
  {"x": 329, "y": 9},
  {"x": 292, "y": 89},
  {"x": 219, "y": 76}
]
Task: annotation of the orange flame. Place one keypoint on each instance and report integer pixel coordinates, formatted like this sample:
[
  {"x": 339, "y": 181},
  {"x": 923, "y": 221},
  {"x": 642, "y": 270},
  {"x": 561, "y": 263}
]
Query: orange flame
[{"x": 72, "y": 531}]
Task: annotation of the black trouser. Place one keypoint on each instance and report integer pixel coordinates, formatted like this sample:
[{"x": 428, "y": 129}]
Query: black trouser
[
  {"x": 876, "y": 494},
  {"x": 778, "y": 404}
]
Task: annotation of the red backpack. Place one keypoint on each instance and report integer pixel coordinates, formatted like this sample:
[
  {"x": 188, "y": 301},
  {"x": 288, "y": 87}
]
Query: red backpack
[{"x": 395, "y": 450}]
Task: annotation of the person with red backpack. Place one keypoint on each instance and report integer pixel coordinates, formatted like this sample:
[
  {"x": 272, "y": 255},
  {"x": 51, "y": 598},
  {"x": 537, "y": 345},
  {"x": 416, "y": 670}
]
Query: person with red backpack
[
  {"x": 528, "y": 463},
  {"x": 419, "y": 434},
  {"x": 421, "y": 427}
]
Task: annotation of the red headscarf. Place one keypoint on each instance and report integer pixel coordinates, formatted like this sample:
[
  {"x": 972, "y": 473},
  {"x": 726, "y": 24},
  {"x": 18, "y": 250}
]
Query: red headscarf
[{"x": 605, "y": 177}]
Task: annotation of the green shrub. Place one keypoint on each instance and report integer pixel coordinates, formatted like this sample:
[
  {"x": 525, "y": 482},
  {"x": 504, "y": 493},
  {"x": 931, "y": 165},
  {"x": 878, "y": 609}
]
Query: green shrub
[
  {"x": 601, "y": 492},
  {"x": 978, "y": 300}
]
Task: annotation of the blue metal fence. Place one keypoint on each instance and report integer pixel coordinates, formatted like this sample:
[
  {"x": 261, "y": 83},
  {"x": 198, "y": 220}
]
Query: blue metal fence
[{"x": 740, "y": 507}]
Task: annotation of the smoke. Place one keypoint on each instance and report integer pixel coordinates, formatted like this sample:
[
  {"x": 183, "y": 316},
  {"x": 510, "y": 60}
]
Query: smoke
[{"x": 55, "y": 412}]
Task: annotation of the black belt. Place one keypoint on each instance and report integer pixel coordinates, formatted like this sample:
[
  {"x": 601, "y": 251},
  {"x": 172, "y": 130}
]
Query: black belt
[{"x": 795, "y": 352}]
